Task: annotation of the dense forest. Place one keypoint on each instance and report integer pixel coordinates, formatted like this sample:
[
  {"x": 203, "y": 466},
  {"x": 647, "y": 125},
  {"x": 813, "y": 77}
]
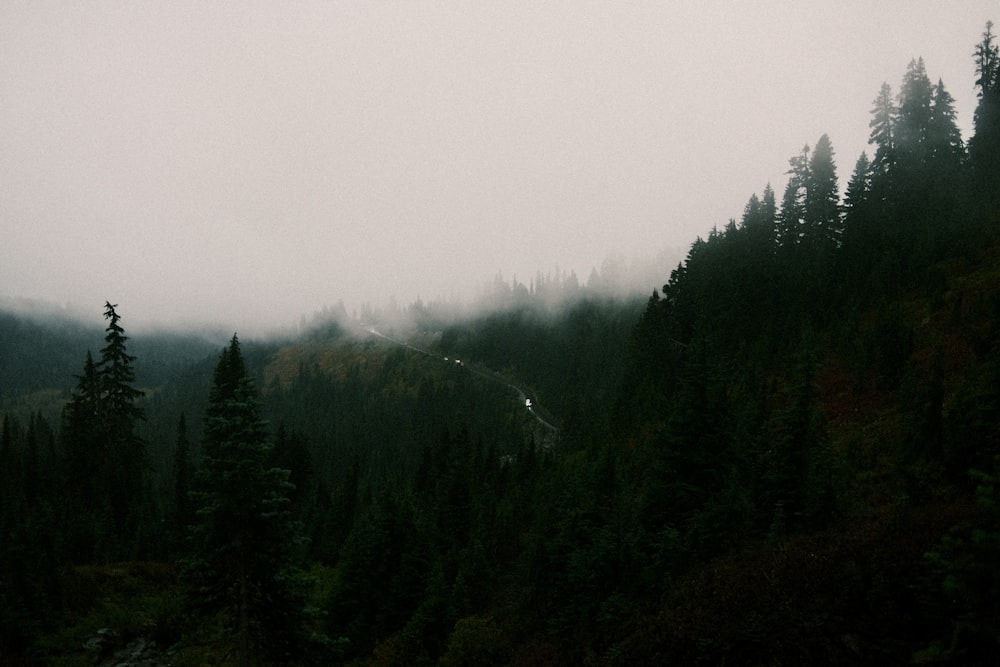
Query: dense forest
[{"x": 787, "y": 454}]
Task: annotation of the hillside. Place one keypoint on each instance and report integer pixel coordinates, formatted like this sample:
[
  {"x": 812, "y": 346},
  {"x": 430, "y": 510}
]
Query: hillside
[
  {"x": 826, "y": 582},
  {"x": 787, "y": 454},
  {"x": 864, "y": 533}
]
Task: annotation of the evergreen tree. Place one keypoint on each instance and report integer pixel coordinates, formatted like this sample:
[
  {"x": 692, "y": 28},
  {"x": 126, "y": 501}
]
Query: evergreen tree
[
  {"x": 790, "y": 218},
  {"x": 987, "y": 65},
  {"x": 104, "y": 458},
  {"x": 822, "y": 200},
  {"x": 118, "y": 396},
  {"x": 768, "y": 207},
  {"x": 944, "y": 139},
  {"x": 82, "y": 435},
  {"x": 984, "y": 147},
  {"x": 883, "y": 133},
  {"x": 751, "y": 212},
  {"x": 914, "y": 117},
  {"x": 119, "y": 412},
  {"x": 245, "y": 543},
  {"x": 759, "y": 218},
  {"x": 858, "y": 188},
  {"x": 859, "y": 226}
]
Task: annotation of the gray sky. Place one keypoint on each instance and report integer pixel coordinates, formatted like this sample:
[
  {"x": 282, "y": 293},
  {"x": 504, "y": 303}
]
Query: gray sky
[{"x": 246, "y": 163}]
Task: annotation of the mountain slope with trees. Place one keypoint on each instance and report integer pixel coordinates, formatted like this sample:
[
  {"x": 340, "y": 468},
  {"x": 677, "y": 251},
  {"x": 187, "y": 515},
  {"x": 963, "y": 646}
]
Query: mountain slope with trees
[{"x": 786, "y": 455}]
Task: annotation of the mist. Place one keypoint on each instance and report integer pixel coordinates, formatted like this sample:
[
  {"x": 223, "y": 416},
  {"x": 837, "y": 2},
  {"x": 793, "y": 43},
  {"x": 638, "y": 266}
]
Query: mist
[{"x": 242, "y": 166}]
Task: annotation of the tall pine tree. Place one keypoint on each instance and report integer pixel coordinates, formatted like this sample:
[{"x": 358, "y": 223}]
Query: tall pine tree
[
  {"x": 790, "y": 218},
  {"x": 984, "y": 147},
  {"x": 914, "y": 118},
  {"x": 245, "y": 542},
  {"x": 822, "y": 199},
  {"x": 82, "y": 436},
  {"x": 119, "y": 411},
  {"x": 103, "y": 456},
  {"x": 858, "y": 188},
  {"x": 944, "y": 138},
  {"x": 883, "y": 133}
]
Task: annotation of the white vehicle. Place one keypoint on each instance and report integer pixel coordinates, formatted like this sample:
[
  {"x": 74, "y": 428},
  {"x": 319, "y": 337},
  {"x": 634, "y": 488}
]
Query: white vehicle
[{"x": 527, "y": 403}]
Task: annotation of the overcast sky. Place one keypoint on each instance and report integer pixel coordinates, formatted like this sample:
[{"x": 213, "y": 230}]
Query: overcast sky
[{"x": 246, "y": 163}]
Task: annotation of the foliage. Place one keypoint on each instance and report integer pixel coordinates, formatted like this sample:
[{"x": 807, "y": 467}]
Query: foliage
[{"x": 965, "y": 585}]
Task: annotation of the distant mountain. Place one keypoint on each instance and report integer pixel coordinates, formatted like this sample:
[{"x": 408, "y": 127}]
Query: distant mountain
[{"x": 44, "y": 351}]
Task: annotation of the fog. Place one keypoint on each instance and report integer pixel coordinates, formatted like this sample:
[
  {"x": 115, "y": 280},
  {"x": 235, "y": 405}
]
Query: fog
[{"x": 245, "y": 164}]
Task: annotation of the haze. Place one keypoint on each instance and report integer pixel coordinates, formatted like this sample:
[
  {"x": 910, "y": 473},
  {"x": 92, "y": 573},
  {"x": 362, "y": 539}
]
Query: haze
[{"x": 243, "y": 164}]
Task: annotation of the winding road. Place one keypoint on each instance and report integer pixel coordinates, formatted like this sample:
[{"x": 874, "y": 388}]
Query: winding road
[{"x": 526, "y": 400}]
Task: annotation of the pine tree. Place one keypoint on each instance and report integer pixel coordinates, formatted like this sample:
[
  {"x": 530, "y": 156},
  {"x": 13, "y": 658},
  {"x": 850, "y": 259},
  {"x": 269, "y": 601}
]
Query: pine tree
[
  {"x": 245, "y": 543},
  {"x": 83, "y": 456},
  {"x": 987, "y": 65},
  {"x": 984, "y": 147},
  {"x": 914, "y": 117},
  {"x": 119, "y": 413},
  {"x": 768, "y": 207},
  {"x": 82, "y": 434},
  {"x": 822, "y": 200},
  {"x": 883, "y": 133},
  {"x": 859, "y": 187},
  {"x": 118, "y": 396},
  {"x": 945, "y": 148},
  {"x": 790, "y": 218},
  {"x": 103, "y": 456},
  {"x": 859, "y": 225},
  {"x": 752, "y": 215}
]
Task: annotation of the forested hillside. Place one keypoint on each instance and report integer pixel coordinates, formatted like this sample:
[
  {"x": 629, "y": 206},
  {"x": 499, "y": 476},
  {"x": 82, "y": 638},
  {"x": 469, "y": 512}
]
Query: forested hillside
[{"x": 787, "y": 454}]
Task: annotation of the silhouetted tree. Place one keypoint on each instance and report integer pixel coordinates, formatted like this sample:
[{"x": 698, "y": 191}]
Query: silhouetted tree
[
  {"x": 821, "y": 209},
  {"x": 883, "y": 133},
  {"x": 104, "y": 458},
  {"x": 118, "y": 396},
  {"x": 984, "y": 147},
  {"x": 858, "y": 188},
  {"x": 82, "y": 436},
  {"x": 913, "y": 118},
  {"x": 792, "y": 213},
  {"x": 119, "y": 412},
  {"x": 944, "y": 139}
]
